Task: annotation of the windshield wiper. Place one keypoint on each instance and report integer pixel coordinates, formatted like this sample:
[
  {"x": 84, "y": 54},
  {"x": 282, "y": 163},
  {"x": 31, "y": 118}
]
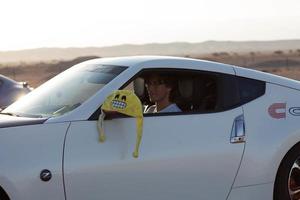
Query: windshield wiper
[
  {"x": 10, "y": 114},
  {"x": 32, "y": 115},
  {"x": 22, "y": 115}
]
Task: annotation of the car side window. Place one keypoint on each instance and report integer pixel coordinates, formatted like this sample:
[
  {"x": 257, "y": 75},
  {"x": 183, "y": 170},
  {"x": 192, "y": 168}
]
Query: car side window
[
  {"x": 193, "y": 91},
  {"x": 197, "y": 92},
  {"x": 250, "y": 89}
]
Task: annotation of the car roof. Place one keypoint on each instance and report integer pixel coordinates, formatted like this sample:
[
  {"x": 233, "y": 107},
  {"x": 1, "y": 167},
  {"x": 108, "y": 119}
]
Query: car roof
[{"x": 135, "y": 61}]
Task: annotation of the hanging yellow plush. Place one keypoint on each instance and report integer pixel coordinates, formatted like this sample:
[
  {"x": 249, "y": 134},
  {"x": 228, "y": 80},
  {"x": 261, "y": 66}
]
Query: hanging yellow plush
[{"x": 125, "y": 102}]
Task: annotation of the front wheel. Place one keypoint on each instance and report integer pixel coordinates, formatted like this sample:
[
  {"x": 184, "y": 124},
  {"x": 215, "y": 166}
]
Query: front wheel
[{"x": 287, "y": 183}]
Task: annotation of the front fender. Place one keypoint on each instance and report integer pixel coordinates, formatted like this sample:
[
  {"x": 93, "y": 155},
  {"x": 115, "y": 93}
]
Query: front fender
[{"x": 24, "y": 152}]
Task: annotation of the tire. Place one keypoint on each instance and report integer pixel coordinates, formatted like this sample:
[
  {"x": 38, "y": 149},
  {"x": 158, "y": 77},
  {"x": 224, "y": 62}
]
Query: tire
[{"x": 287, "y": 182}]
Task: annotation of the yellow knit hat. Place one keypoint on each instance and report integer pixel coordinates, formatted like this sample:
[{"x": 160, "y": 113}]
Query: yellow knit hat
[{"x": 125, "y": 102}]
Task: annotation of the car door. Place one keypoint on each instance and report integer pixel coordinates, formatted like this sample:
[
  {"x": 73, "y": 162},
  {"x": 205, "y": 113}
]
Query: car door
[{"x": 188, "y": 155}]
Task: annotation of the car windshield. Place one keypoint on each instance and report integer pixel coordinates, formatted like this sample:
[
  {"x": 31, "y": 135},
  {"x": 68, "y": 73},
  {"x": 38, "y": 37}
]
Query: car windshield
[{"x": 64, "y": 92}]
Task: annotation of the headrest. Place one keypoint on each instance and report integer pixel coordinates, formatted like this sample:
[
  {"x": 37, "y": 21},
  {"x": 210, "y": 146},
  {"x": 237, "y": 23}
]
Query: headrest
[
  {"x": 138, "y": 85},
  {"x": 185, "y": 88}
]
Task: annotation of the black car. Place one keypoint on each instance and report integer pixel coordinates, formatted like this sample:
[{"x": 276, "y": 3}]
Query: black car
[{"x": 11, "y": 90}]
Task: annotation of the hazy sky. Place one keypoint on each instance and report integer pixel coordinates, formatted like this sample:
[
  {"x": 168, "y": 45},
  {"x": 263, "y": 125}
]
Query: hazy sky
[{"x": 76, "y": 23}]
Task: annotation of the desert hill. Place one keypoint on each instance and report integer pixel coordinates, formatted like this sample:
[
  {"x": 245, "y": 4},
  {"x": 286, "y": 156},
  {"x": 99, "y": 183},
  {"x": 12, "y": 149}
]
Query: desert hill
[{"x": 175, "y": 49}]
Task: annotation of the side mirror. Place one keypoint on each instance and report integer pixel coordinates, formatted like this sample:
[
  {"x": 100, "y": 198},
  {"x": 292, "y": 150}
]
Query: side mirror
[{"x": 127, "y": 103}]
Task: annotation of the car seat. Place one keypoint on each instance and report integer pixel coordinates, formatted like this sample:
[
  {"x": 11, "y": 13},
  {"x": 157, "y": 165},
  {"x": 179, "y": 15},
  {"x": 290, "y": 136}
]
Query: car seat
[{"x": 191, "y": 91}]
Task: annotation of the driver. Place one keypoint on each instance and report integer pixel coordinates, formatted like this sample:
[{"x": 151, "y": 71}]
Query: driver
[{"x": 160, "y": 89}]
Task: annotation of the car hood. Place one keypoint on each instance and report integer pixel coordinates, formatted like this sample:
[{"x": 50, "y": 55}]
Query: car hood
[{"x": 12, "y": 121}]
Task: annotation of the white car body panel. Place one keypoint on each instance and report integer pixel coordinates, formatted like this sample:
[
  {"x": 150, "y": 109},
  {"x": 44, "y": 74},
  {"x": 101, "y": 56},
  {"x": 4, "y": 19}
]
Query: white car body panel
[
  {"x": 24, "y": 152},
  {"x": 206, "y": 162}
]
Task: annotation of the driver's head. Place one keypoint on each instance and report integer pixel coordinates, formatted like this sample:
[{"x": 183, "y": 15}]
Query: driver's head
[{"x": 159, "y": 87}]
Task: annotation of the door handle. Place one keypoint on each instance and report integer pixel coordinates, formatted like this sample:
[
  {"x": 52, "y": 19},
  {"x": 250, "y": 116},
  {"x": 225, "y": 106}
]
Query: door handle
[{"x": 238, "y": 130}]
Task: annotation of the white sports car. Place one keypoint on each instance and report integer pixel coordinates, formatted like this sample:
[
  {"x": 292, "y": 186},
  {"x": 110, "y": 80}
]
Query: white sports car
[{"x": 236, "y": 137}]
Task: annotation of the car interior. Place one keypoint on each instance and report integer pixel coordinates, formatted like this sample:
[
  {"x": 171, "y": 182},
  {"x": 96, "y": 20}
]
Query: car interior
[{"x": 195, "y": 92}]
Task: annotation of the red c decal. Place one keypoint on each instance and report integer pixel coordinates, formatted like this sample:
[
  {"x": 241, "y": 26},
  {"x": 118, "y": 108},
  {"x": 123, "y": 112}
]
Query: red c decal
[{"x": 274, "y": 110}]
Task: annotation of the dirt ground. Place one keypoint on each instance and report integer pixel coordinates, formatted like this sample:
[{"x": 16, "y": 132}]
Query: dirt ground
[{"x": 287, "y": 65}]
